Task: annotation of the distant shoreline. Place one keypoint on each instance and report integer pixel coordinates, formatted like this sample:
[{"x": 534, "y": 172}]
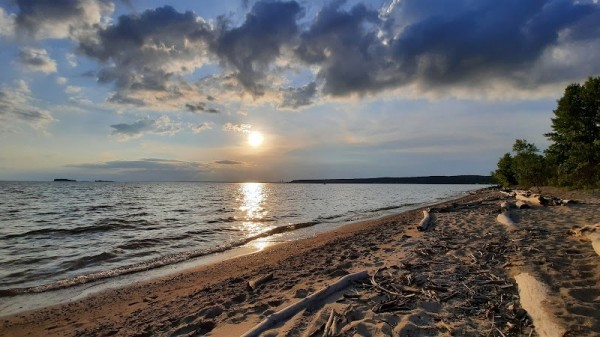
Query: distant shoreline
[{"x": 460, "y": 179}]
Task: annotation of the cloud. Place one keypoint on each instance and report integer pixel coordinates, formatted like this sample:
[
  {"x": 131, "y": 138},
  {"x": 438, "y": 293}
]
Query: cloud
[
  {"x": 161, "y": 126},
  {"x": 17, "y": 106},
  {"x": 252, "y": 47},
  {"x": 34, "y": 59},
  {"x": 237, "y": 127},
  {"x": 434, "y": 45},
  {"x": 40, "y": 19},
  {"x": 422, "y": 48},
  {"x": 61, "y": 80},
  {"x": 7, "y": 24},
  {"x": 298, "y": 97},
  {"x": 228, "y": 162},
  {"x": 151, "y": 169},
  {"x": 198, "y": 128},
  {"x": 165, "y": 45},
  {"x": 71, "y": 89},
  {"x": 200, "y": 107}
]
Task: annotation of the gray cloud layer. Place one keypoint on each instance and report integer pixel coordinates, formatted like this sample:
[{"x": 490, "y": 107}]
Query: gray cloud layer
[{"x": 354, "y": 50}]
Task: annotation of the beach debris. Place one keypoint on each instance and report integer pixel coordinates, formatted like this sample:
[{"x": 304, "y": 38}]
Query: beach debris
[
  {"x": 508, "y": 193},
  {"x": 590, "y": 232},
  {"x": 533, "y": 295},
  {"x": 255, "y": 283},
  {"x": 520, "y": 204},
  {"x": 505, "y": 219},
  {"x": 425, "y": 222},
  {"x": 292, "y": 309},
  {"x": 532, "y": 199}
]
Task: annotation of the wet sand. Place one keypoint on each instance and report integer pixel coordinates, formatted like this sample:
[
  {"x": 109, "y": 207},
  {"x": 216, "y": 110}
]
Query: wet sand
[{"x": 456, "y": 278}]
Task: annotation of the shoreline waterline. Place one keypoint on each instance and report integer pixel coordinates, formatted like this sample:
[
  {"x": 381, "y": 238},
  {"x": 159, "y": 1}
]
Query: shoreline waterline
[{"x": 47, "y": 296}]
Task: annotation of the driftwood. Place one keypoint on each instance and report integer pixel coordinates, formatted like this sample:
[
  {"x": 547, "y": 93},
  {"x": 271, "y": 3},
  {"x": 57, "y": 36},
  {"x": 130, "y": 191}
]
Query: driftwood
[
  {"x": 533, "y": 199},
  {"x": 504, "y": 206},
  {"x": 509, "y": 194},
  {"x": 505, "y": 219},
  {"x": 253, "y": 284},
  {"x": 426, "y": 222},
  {"x": 592, "y": 233},
  {"x": 533, "y": 294},
  {"x": 292, "y": 309},
  {"x": 520, "y": 204}
]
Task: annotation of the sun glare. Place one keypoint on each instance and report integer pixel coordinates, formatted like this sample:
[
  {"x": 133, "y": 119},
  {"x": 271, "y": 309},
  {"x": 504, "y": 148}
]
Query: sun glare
[{"x": 255, "y": 138}]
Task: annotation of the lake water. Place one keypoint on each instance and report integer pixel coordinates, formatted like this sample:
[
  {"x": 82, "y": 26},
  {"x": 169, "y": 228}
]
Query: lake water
[{"x": 57, "y": 234}]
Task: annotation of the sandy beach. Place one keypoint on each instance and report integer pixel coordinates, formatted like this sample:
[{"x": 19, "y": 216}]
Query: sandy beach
[{"x": 457, "y": 278}]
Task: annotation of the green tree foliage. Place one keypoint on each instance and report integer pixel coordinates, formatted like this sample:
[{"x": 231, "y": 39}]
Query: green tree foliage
[
  {"x": 575, "y": 154},
  {"x": 505, "y": 174},
  {"x": 528, "y": 165},
  {"x": 526, "y": 168}
]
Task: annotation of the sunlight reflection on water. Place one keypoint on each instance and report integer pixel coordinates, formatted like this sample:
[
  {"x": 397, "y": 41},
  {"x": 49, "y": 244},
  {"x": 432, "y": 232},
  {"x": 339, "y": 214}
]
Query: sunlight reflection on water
[{"x": 253, "y": 199}]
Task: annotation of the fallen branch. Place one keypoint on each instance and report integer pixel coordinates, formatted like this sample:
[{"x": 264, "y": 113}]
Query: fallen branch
[{"x": 292, "y": 309}]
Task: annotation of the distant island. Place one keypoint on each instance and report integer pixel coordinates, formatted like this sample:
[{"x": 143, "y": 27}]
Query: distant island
[
  {"x": 462, "y": 179},
  {"x": 62, "y": 179},
  {"x": 103, "y": 181}
]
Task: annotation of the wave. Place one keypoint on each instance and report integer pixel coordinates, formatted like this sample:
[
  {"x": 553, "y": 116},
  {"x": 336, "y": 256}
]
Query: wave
[
  {"x": 103, "y": 226},
  {"x": 143, "y": 266},
  {"x": 164, "y": 260}
]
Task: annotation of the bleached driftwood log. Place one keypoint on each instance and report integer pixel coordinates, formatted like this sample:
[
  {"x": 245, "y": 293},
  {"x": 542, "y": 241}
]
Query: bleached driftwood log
[
  {"x": 509, "y": 194},
  {"x": 426, "y": 222},
  {"x": 533, "y": 199},
  {"x": 533, "y": 296},
  {"x": 292, "y": 309},
  {"x": 253, "y": 284},
  {"x": 591, "y": 232},
  {"x": 520, "y": 204},
  {"x": 505, "y": 219}
]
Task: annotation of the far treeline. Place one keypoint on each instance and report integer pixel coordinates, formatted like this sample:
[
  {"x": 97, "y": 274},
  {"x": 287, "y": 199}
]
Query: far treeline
[{"x": 573, "y": 158}]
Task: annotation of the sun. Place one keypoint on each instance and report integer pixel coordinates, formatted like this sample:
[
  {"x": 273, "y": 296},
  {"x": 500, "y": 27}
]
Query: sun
[{"x": 255, "y": 138}]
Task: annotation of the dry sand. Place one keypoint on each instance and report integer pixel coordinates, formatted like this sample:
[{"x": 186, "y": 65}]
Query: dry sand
[{"x": 455, "y": 279}]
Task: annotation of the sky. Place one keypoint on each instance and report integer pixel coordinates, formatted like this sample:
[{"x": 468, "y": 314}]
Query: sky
[{"x": 172, "y": 90}]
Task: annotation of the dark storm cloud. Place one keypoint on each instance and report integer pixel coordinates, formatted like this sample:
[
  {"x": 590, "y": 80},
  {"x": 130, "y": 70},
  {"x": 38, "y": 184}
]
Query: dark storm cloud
[
  {"x": 359, "y": 51},
  {"x": 147, "y": 52},
  {"x": 298, "y": 97},
  {"x": 252, "y": 47},
  {"x": 344, "y": 44},
  {"x": 59, "y": 18},
  {"x": 433, "y": 44}
]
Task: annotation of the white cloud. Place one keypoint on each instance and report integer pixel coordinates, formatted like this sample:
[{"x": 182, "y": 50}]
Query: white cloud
[
  {"x": 37, "y": 59},
  {"x": 71, "y": 89},
  {"x": 7, "y": 24},
  {"x": 237, "y": 127},
  {"x": 18, "y": 107},
  {"x": 61, "y": 80},
  {"x": 198, "y": 128}
]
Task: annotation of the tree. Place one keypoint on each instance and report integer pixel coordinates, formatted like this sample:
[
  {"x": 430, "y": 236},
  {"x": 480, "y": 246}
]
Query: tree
[
  {"x": 575, "y": 153},
  {"x": 528, "y": 165},
  {"x": 505, "y": 174}
]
